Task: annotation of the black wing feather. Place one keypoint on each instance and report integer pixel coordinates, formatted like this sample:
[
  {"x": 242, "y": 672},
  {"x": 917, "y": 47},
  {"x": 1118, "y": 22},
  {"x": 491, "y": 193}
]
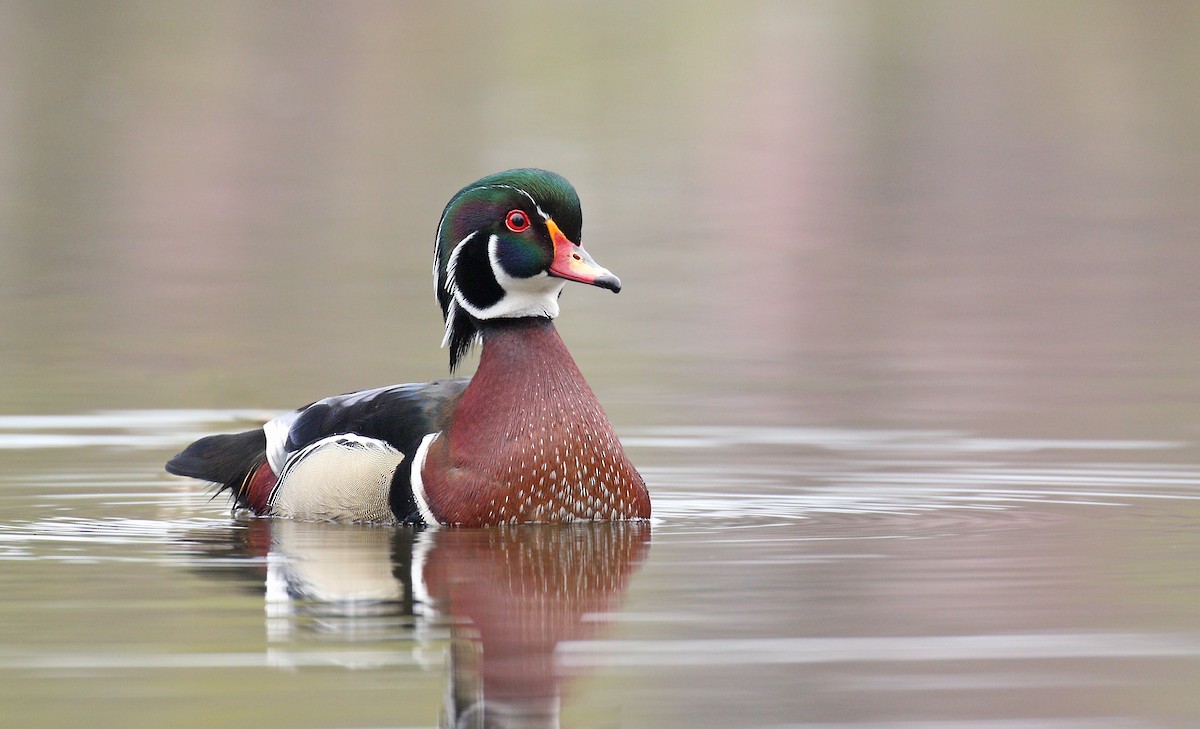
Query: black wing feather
[{"x": 402, "y": 416}]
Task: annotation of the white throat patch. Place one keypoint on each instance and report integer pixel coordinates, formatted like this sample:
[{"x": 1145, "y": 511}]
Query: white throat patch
[{"x": 533, "y": 296}]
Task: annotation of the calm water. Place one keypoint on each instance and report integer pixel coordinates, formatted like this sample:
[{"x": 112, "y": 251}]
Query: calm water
[{"x": 909, "y": 354}]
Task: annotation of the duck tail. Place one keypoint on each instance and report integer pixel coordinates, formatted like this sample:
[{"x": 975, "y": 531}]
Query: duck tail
[{"x": 233, "y": 461}]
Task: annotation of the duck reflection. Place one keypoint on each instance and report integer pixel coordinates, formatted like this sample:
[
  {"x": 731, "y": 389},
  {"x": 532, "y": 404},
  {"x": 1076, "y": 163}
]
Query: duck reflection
[{"x": 501, "y": 598}]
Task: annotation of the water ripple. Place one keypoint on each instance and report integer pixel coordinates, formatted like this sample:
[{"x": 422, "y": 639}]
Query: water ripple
[
  {"x": 719, "y": 475},
  {"x": 1005, "y": 647},
  {"x": 788, "y": 474},
  {"x": 117, "y": 428},
  {"x": 875, "y": 441},
  {"x": 57, "y": 537}
]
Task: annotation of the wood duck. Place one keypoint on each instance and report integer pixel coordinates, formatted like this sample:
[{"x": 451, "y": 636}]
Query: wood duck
[{"x": 523, "y": 440}]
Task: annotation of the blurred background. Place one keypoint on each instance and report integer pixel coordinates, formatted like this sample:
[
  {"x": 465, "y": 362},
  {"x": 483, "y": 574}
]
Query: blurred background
[
  {"x": 908, "y": 353},
  {"x": 923, "y": 214}
]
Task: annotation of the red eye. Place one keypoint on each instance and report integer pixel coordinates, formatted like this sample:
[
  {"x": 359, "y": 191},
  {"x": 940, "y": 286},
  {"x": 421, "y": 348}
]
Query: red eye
[{"x": 517, "y": 221}]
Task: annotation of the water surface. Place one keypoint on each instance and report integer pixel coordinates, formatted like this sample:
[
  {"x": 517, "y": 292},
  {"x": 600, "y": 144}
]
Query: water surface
[{"x": 840, "y": 577}]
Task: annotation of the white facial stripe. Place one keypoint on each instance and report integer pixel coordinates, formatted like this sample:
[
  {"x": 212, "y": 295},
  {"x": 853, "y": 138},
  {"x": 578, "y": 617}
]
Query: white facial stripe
[
  {"x": 498, "y": 271},
  {"x": 437, "y": 261},
  {"x": 438, "y": 283},
  {"x": 451, "y": 312},
  {"x": 452, "y": 264},
  {"x": 456, "y": 298},
  {"x": 537, "y": 207}
]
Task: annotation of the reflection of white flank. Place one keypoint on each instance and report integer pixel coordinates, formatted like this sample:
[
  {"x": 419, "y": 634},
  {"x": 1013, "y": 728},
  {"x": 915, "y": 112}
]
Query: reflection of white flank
[
  {"x": 335, "y": 563},
  {"x": 338, "y": 581},
  {"x": 278, "y": 601},
  {"x": 524, "y": 713}
]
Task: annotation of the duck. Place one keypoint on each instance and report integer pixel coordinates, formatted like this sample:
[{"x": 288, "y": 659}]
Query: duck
[{"x": 523, "y": 440}]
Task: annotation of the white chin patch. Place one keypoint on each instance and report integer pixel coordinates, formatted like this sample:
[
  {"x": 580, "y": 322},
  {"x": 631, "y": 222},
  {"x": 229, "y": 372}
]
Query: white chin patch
[
  {"x": 521, "y": 299},
  {"x": 534, "y": 296}
]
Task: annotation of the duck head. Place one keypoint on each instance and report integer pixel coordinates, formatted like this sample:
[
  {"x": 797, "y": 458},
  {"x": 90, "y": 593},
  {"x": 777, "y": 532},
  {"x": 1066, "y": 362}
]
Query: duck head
[{"x": 506, "y": 246}]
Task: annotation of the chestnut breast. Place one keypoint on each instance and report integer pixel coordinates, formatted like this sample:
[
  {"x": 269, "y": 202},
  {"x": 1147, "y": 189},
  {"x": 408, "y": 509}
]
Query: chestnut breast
[{"x": 529, "y": 442}]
